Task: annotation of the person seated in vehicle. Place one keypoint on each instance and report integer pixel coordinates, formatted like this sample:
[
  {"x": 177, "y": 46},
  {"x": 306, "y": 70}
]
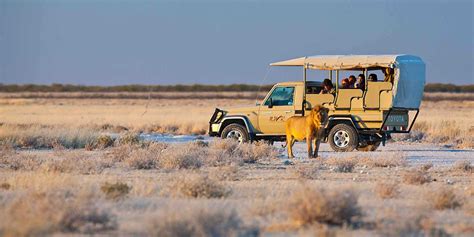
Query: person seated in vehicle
[
  {"x": 345, "y": 84},
  {"x": 372, "y": 77},
  {"x": 360, "y": 84},
  {"x": 389, "y": 75},
  {"x": 352, "y": 81},
  {"x": 328, "y": 88}
]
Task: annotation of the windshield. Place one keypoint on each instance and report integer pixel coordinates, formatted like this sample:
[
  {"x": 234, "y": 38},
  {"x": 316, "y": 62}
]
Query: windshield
[{"x": 281, "y": 96}]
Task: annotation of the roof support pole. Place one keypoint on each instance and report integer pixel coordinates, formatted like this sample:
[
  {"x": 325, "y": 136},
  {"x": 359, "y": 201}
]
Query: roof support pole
[
  {"x": 366, "y": 73},
  {"x": 304, "y": 88},
  {"x": 330, "y": 75},
  {"x": 337, "y": 79}
]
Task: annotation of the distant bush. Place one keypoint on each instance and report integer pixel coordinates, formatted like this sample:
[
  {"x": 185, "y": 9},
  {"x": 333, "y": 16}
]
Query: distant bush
[
  {"x": 431, "y": 87},
  {"x": 129, "y": 88},
  {"x": 439, "y": 87}
]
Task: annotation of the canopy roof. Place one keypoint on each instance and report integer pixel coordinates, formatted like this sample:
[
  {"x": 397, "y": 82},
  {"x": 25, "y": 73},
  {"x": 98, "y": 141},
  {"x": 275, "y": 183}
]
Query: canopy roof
[{"x": 335, "y": 62}]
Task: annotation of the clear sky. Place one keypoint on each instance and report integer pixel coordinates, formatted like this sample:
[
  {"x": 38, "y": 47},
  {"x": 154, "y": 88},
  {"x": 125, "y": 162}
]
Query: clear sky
[{"x": 168, "y": 42}]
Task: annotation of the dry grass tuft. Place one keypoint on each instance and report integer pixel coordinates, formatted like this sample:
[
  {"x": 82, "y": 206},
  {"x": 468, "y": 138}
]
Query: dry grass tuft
[
  {"x": 5, "y": 186},
  {"x": 445, "y": 131},
  {"x": 229, "y": 152},
  {"x": 142, "y": 159},
  {"x": 101, "y": 142},
  {"x": 308, "y": 171},
  {"x": 343, "y": 165},
  {"x": 426, "y": 167},
  {"x": 387, "y": 189},
  {"x": 416, "y": 223},
  {"x": 196, "y": 186},
  {"x": 199, "y": 222},
  {"x": 21, "y": 162},
  {"x": 188, "y": 157},
  {"x": 128, "y": 138},
  {"x": 444, "y": 198},
  {"x": 336, "y": 207},
  {"x": 45, "y": 213},
  {"x": 36, "y": 136},
  {"x": 115, "y": 191},
  {"x": 386, "y": 161},
  {"x": 75, "y": 163},
  {"x": 417, "y": 177},
  {"x": 228, "y": 173},
  {"x": 463, "y": 166}
]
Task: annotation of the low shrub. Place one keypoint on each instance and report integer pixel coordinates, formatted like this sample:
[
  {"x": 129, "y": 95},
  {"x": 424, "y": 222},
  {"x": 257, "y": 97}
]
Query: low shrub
[
  {"x": 200, "y": 222},
  {"x": 190, "y": 157},
  {"x": 336, "y": 207},
  {"x": 408, "y": 224},
  {"x": 387, "y": 189},
  {"x": 34, "y": 136},
  {"x": 417, "y": 177},
  {"x": 308, "y": 171},
  {"x": 5, "y": 186},
  {"x": 386, "y": 161},
  {"x": 55, "y": 211},
  {"x": 101, "y": 142},
  {"x": 228, "y": 173},
  {"x": 343, "y": 165},
  {"x": 196, "y": 186},
  {"x": 444, "y": 198},
  {"x": 115, "y": 191},
  {"x": 128, "y": 138},
  {"x": 463, "y": 166}
]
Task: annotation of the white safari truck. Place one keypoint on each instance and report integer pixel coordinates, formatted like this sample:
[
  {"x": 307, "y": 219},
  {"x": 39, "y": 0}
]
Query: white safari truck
[{"x": 359, "y": 118}]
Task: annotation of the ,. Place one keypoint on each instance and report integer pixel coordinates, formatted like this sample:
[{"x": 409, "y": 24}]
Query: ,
[{"x": 359, "y": 117}]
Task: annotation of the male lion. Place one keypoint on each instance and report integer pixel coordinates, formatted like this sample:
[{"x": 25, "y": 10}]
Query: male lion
[{"x": 309, "y": 127}]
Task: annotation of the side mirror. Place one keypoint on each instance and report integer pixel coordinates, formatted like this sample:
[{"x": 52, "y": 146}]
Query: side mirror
[{"x": 270, "y": 104}]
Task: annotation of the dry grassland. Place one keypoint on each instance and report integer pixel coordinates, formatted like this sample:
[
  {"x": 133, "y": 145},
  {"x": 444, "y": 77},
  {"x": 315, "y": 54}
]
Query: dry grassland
[
  {"x": 446, "y": 120},
  {"x": 120, "y": 185}
]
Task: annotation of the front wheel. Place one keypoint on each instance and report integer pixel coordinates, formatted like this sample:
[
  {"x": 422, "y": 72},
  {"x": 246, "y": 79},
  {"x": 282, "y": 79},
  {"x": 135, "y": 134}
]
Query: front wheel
[
  {"x": 236, "y": 132},
  {"x": 343, "y": 137}
]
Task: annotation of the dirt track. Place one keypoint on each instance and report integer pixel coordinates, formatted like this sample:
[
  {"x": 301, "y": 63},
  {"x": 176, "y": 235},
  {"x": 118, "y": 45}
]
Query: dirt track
[{"x": 416, "y": 153}]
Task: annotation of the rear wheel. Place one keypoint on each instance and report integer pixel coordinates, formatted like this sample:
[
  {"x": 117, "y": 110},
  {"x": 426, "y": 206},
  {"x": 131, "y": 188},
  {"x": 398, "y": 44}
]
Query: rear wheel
[
  {"x": 370, "y": 146},
  {"x": 236, "y": 132},
  {"x": 343, "y": 137}
]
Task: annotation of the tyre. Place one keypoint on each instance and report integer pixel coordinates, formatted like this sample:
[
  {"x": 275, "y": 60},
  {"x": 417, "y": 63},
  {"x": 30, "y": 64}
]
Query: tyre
[
  {"x": 370, "y": 146},
  {"x": 343, "y": 137},
  {"x": 235, "y": 131}
]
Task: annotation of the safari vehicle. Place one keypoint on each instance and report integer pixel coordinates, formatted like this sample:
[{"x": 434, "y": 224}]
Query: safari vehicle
[{"x": 358, "y": 119}]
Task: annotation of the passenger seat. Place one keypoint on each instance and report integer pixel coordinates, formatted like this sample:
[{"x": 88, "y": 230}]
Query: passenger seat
[{"x": 373, "y": 94}]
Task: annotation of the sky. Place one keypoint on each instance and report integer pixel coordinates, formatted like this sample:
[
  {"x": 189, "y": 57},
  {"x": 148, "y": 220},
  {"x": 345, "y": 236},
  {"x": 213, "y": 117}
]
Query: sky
[{"x": 116, "y": 42}]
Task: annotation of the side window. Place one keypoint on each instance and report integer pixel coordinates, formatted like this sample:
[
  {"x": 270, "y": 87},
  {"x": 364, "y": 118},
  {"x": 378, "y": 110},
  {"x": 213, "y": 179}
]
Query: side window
[
  {"x": 313, "y": 89},
  {"x": 281, "y": 96}
]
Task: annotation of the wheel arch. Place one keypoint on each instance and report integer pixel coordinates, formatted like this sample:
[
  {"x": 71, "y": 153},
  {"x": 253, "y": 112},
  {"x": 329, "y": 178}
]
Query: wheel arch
[
  {"x": 333, "y": 121},
  {"x": 242, "y": 120}
]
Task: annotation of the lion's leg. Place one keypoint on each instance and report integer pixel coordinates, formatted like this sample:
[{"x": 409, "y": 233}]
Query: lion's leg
[
  {"x": 309, "y": 142},
  {"x": 289, "y": 143},
  {"x": 317, "y": 142}
]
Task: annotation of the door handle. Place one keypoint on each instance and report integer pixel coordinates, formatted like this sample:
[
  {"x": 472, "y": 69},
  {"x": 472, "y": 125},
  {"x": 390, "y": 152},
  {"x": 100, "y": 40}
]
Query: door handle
[{"x": 288, "y": 111}]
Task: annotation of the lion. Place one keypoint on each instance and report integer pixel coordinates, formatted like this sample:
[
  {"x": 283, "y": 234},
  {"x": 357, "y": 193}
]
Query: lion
[{"x": 309, "y": 127}]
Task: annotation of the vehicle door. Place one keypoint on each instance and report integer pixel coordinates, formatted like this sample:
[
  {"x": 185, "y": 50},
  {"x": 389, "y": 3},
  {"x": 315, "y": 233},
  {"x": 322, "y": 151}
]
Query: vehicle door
[{"x": 276, "y": 109}]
